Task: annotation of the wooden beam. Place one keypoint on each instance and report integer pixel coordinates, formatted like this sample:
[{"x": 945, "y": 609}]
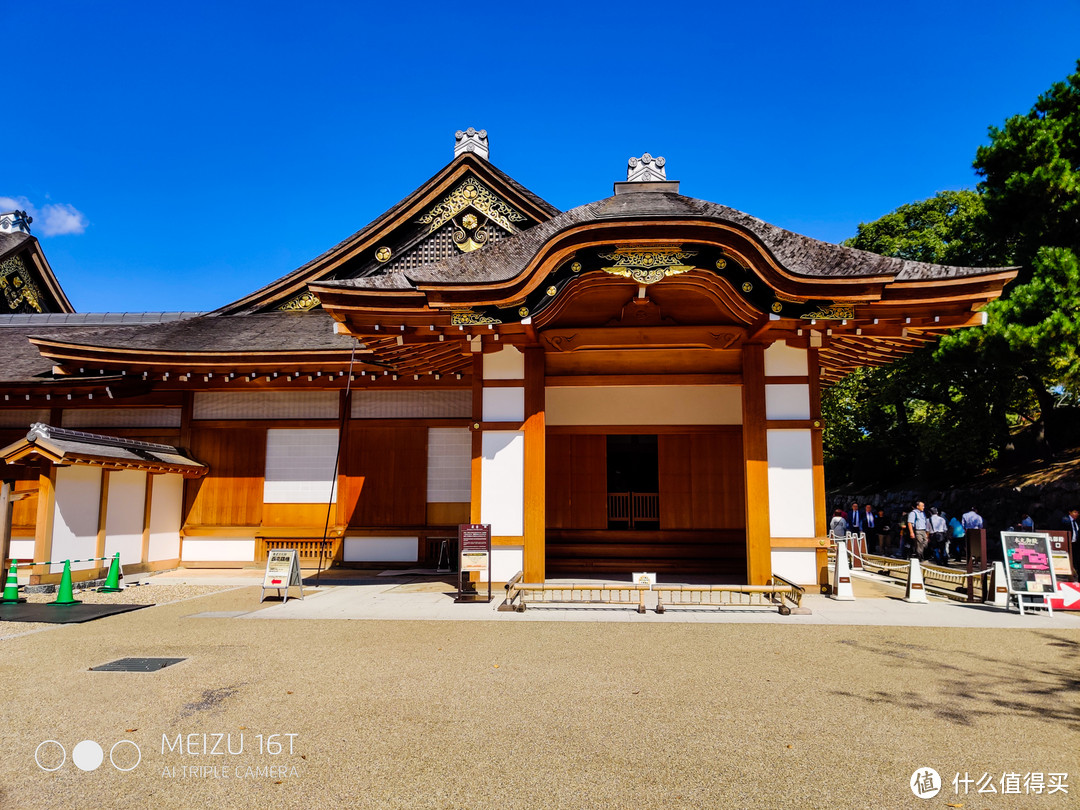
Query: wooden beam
[
  {"x": 103, "y": 514},
  {"x": 148, "y": 498},
  {"x": 43, "y": 528},
  {"x": 477, "y": 436},
  {"x": 817, "y": 452}
]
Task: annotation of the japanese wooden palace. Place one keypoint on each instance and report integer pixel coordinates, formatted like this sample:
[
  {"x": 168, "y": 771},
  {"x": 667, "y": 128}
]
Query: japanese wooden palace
[{"x": 633, "y": 384}]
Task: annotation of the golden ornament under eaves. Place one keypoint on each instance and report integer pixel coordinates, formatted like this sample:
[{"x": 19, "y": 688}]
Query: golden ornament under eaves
[
  {"x": 833, "y": 312},
  {"x": 383, "y": 254},
  {"x": 469, "y": 318},
  {"x": 648, "y": 265}
]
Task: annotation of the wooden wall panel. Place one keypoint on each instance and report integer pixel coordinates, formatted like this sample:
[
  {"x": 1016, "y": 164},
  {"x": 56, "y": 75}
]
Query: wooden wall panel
[
  {"x": 576, "y": 478},
  {"x": 386, "y": 476},
  {"x": 676, "y": 500},
  {"x": 24, "y": 511},
  {"x": 231, "y": 494},
  {"x": 701, "y": 481}
]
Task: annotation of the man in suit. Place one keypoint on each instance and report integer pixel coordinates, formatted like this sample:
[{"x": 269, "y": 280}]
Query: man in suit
[
  {"x": 869, "y": 521},
  {"x": 1071, "y": 524}
]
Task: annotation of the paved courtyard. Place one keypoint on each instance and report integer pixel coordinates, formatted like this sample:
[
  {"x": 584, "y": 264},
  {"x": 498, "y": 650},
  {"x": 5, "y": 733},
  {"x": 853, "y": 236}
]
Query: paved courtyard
[{"x": 418, "y": 709}]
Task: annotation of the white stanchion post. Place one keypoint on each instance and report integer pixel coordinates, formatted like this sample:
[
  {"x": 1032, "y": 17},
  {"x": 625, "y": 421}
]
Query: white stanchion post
[
  {"x": 842, "y": 590},
  {"x": 1001, "y": 587},
  {"x": 858, "y": 544},
  {"x": 916, "y": 589}
]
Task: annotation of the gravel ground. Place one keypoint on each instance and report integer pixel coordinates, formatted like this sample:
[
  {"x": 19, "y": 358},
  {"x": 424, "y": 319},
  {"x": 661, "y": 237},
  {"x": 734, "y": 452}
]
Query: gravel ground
[
  {"x": 533, "y": 715},
  {"x": 153, "y": 594}
]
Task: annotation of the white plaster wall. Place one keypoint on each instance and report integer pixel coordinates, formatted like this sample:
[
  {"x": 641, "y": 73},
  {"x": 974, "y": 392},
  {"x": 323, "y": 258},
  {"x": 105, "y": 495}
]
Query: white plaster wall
[
  {"x": 644, "y": 405},
  {"x": 22, "y": 549},
  {"x": 449, "y": 471},
  {"x": 504, "y": 404},
  {"x": 300, "y": 465},
  {"x": 166, "y": 514},
  {"x": 408, "y": 404},
  {"x": 22, "y": 418},
  {"x": 782, "y": 360},
  {"x": 787, "y": 401},
  {"x": 124, "y": 516},
  {"x": 505, "y": 562},
  {"x": 266, "y": 405},
  {"x": 799, "y": 565},
  {"x": 120, "y": 417},
  {"x": 75, "y": 521},
  {"x": 791, "y": 483},
  {"x": 218, "y": 549},
  {"x": 502, "y": 482},
  {"x": 381, "y": 549},
  {"x": 507, "y": 364}
]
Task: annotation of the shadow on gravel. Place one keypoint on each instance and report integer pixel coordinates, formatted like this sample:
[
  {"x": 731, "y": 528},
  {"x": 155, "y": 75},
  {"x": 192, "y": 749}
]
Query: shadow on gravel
[{"x": 980, "y": 684}]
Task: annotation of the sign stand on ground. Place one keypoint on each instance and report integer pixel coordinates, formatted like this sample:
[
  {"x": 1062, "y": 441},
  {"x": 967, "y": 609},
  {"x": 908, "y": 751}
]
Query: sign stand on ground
[
  {"x": 474, "y": 554},
  {"x": 282, "y": 571},
  {"x": 1029, "y": 573}
]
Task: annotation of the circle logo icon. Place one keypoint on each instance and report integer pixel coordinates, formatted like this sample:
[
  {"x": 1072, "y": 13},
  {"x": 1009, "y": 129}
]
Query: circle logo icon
[
  {"x": 87, "y": 755},
  {"x": 925, "y": 783},
  {"x": 46, "y": 760}
]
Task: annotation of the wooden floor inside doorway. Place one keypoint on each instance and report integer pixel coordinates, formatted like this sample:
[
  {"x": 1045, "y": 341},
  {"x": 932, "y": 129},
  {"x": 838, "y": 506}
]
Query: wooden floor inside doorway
[{"x": 716, "y": 552}]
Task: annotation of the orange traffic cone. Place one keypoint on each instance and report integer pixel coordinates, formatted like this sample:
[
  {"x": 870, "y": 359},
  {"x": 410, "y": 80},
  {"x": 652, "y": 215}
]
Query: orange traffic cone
[{"x": 65, "y": 595}]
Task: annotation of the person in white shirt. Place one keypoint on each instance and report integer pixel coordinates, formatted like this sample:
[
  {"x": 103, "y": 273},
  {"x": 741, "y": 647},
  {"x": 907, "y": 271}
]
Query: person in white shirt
[{"x": 936, "y": 537}]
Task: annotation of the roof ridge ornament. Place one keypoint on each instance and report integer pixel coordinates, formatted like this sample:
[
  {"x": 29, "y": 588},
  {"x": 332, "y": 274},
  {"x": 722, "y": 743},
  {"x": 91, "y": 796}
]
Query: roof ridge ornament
[
  {"x": 471, "y": 140},
  {"x": 646, "y": 169},
  {"x": 15, "y": 222}
]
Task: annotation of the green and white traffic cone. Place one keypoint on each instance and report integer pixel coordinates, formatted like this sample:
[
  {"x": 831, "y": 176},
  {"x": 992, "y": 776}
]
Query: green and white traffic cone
[
  {"x": 65, "y": 595},
  {"x": 112, "y": 582},
  {"x": 11, "y": 587}
]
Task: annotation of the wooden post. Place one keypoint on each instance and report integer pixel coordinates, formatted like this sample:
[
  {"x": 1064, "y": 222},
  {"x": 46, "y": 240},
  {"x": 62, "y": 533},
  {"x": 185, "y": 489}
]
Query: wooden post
[
  {"x": 535, "y": 553},
  {"x": 477, "y": 437},
  {"x": 756, "y": 460},
  {"x": 148, "y": 498},
  {"x": 103, "y": 515},
  {"x": 817, "y": 451},
  {"x": 43, "y": 528}
]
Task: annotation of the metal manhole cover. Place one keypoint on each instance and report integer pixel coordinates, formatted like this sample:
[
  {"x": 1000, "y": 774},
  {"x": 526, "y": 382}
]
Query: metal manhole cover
[{"x": 137, "y": 665}]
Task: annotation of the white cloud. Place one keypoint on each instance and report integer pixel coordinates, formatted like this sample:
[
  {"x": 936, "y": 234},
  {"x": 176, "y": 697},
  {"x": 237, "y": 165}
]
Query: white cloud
[{"x": 52, "y": 219}]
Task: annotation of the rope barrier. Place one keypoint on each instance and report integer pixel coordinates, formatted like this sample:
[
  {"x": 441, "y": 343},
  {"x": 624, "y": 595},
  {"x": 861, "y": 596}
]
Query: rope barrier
[
  {"x": 59, "y": 562},
  {"x": 884, "y": 562}
]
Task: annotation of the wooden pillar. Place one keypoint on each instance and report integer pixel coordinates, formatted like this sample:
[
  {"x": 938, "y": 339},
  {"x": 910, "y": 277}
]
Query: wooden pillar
[
  {"x": 477, "y": 437},
  {"x": 43, "y": 529},
  {"x": 817, "y": 451},
  {"x": 103, "y": 516},
  {"x": 756, "y": 461},
  {"x": 535, "y": 525},
  {"x": 148, "y": 498}
]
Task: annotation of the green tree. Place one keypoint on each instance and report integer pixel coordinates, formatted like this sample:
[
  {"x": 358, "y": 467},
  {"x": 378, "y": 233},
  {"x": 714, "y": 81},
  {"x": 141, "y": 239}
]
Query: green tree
[
  {"x": 1031, "y": 176},
  {"x": 954, "y": 409}
]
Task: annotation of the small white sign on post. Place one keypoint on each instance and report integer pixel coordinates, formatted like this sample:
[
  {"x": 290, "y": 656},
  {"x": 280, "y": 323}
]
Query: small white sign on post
[
  {"x": 282, "y": 571},
  {"x": 645, "y": 578}
]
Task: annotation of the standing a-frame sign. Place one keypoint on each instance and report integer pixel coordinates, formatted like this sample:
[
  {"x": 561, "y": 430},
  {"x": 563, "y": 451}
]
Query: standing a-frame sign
[
  {"x": 282, "y": 571},
  {"x": 1029, "y": 572}
]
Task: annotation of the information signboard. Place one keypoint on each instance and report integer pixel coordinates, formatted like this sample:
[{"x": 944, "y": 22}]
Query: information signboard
[
  {"x": 474, "y": 550},
  {"x": 1029, "y": 571},
  {"x": 282, "y": 570}
]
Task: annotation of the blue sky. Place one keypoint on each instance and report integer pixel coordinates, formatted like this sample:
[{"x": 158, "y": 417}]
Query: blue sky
[{"x": 182, "y": 155}]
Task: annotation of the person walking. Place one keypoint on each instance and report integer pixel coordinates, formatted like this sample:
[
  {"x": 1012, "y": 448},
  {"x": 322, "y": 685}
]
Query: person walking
[
  {"x": 971, "y": 519},
  {"x": 869, "y": 522},
  {"x": 917, "y": 529},
  {"x": 838, "y": 526},
  {"x": 936, "y": 535}
]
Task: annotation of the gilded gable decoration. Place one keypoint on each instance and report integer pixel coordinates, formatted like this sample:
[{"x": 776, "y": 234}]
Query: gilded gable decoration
[
  {"x": 300, "y": 303},
  {"x": 648, "y": 265},
  {"x": 472, "y": 194},
  {"x": 18, "y": 287}
]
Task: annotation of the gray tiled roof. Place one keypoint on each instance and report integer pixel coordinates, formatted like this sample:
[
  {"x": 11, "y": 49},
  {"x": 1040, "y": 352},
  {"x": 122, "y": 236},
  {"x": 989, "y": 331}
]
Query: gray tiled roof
[
  {"x": 76, "y": 443},
  {"x": 799, "y": 254}
]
